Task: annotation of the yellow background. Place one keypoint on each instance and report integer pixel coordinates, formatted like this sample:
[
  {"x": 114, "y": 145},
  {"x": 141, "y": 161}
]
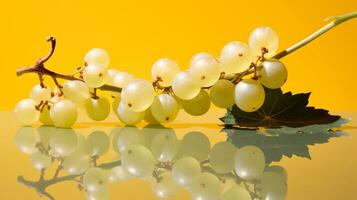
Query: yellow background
[{"x": 136, "y": 33}]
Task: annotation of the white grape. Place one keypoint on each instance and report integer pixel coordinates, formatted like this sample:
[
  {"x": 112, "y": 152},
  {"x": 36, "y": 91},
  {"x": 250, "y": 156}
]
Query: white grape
[
  {"x": 99, "y": 142},
  {"x": 273, "y": 74},
  {"x": 127, "y": 116},
  {"x": 184, "y": 86},
  {"x": 249, "y": 95},
  {"x": 98, "y": 57},
  {"x": 164, "y": 69},
  {"x": 164, "y": 108},
  {"x": 110, "y": 76},
  {"x": 26, "y": 139},
  {"x": 165, "y": 146},
  {"x": 40, "y": 160},
  {"x": 273, "y": 185},
  {"x": 45, "y": 133},
  {"x": 150, "y": 131},
  {"x": 222, "y": 94},
  {"x": 283, "y": 175},
  {"x": 39, "y": 93},
  {"x": 94, "y": 76},
  {"x": 205, "y": 186},
  {"x": 64, "y": 113},
  {"x": 205, "y": 70},
  {"x": 115, "y": 103},
  {"x": 197, "y": 145},
  {"x": 185, "y": 169},
  {"x": 112, "y": 72},
  {"x": 138, "y": 95},
  {"x": 98, "y": 108},
  {"x": 165, "y": 187},
  {"x": 63, "y": 142},
  {"x": 275, "y": 194},
  {"x": 45, "y": 117},
  {"x": 199, "y": 105},
  {"x": 263, "y": 37},
  {"x": 271, "y": 179},
  {"x": 79, "y": 160},
  {"x": 235, "y": 57},
  {"x": 249, "y": 162},
  {"x": 178, "y": 100},
  {"x": 138, "y": 160},
  {"x": 55, "y": 99},
  {"x": 76, "y": 163},
  {"x": 236, "y": 192},
  {"x": 122, "y": 79},
  {"x": 101, "y": 193},
  {"x": 180, "y": 153},
  {"x": 84, "y": 146},
  {"x": 114, "y": 133},
  {"x": 198, "y": 56},
  {"x": 228, "y": 183},
  {"x": 119, "y": 174},
  {"x": 222, "y": 157},
  {"x": 57, "y": 94},
  {"x": 95, "y": 179},
  {"x": 26, "y": 112},
  {"x": 149, "y": 118},
  {"x": 128, "y": 136},
  {"x": 76, "y": 91}
]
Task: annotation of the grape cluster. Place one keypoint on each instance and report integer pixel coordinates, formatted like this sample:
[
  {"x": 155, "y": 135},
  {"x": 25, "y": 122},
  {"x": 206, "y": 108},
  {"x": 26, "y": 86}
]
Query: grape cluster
[
  {"x": 221, "y": 171},
  {"x": 236, "y": 77}
]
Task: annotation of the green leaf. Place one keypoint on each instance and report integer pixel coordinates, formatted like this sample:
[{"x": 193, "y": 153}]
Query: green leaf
[
  {"x": 228, "y": 119},
  {"x": 279, "y": 109}
]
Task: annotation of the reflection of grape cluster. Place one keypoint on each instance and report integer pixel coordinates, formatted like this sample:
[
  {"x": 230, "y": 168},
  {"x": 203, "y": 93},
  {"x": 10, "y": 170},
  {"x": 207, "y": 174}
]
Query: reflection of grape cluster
[
  {"x": 218, "y": 172},
  {"x": 236, "y": 77}
]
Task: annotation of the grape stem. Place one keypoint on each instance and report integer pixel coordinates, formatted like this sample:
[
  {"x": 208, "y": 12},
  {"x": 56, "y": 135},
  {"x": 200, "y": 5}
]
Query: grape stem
[
  {"x": 336, "y": 21},
  {"x": 41, "y": 185},
  {"x": 59, "y": 168},
  {"x": 41, "y": 70}
]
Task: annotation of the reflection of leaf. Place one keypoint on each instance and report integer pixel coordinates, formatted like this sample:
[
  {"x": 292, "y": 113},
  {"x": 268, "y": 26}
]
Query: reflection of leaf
[
  {"x": 280, "y": 110},
  {"x": 316, "y": 128},
  {"x": 275, "y": 147}
]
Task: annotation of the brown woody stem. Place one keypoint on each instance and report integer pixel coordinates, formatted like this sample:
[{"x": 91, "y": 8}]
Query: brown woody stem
[{"x": 41, "y": 70}]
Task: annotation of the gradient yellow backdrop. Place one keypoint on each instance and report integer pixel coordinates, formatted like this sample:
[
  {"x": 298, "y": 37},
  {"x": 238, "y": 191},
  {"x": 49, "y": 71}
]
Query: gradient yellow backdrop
[{"x": 136, "y": 33}]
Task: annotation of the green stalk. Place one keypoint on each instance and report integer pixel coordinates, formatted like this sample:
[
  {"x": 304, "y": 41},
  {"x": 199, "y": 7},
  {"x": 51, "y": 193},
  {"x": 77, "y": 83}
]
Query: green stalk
[{"x": 336, "y": 21}]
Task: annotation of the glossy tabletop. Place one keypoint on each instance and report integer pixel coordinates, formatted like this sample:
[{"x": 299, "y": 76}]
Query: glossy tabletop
[{"x": 318, "y": 165}]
